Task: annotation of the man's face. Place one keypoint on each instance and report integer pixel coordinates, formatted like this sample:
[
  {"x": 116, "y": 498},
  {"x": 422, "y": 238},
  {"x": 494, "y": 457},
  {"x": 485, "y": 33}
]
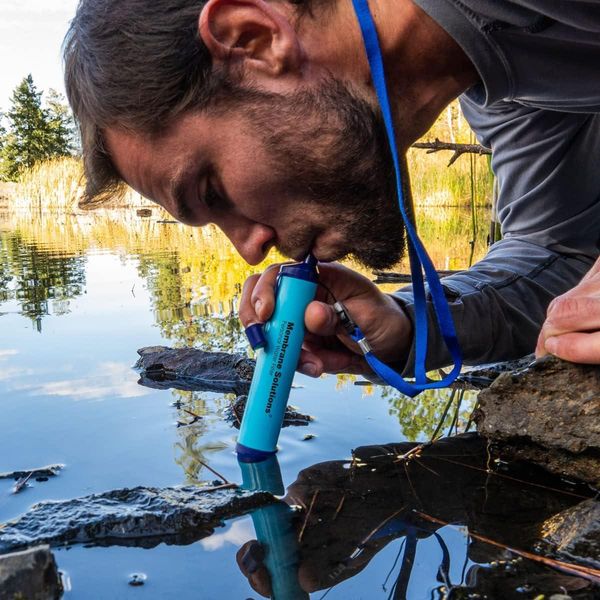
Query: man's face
[{"x": 307, "y": 171}]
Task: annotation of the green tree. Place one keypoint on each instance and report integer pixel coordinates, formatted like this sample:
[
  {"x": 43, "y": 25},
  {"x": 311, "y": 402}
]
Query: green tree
[
  {"x": 34, "y": 132},
  {"x": 63, "y": 138}
]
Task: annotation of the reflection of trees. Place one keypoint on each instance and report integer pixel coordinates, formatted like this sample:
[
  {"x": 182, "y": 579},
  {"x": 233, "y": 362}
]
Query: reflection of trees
[
  {"x": 180, "y": 298},
  {"x": 190, "y": 452},
  {"x": 35, "y": 276},
  {"x": 427, "y": 414}
]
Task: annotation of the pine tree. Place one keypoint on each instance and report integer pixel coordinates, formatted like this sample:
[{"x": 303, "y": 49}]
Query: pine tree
[
  {"x": 61, "y": 125},
  {"x": 34, "y": 132}
]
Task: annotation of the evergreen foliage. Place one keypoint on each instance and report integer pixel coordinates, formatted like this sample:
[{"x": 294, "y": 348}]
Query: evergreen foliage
[{"x": 34, "y": 132}]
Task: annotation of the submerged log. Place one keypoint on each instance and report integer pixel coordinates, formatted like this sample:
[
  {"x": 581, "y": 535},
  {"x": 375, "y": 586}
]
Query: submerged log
[
  {"x": 30, "y": 574},
  {"x": 140, "y": 516},
  {"x": 549, "y": 413}
]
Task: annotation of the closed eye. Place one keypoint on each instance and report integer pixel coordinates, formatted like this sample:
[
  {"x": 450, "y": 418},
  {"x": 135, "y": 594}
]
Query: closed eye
[{"x": 212, "y": 199}]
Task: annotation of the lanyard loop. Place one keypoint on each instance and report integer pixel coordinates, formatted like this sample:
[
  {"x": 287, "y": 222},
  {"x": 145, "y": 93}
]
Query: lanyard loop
[{"x": 419, "y": 259}]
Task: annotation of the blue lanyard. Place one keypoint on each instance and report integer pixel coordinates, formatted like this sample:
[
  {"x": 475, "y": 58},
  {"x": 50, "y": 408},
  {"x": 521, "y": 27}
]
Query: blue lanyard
[{"x": 419, "y": 259}]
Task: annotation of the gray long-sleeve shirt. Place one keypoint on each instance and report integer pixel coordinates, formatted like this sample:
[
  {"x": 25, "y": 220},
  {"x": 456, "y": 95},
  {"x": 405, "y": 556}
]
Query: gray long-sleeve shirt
[{"x": 538, "y": 108}]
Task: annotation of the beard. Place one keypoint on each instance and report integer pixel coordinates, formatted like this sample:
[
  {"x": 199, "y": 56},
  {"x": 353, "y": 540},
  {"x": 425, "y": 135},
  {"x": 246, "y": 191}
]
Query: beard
[{"x": 329, "y": 147}]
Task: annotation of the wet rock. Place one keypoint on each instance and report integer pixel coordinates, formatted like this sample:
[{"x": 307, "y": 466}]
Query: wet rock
[
  {"x": 48, "y": 471},
  {"x": 30, "y": 574},
  {"x": 575, "y": 533},
  {"x": 193, "y": 369},
  {"x": 549, "y": 413},
  {"x": 137, "y": 579},
  {"x": 291, "y": 417},
  {"x": 140, "y": 516}
]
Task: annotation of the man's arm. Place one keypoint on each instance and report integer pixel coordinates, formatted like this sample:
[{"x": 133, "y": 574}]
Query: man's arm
[{"x": 549, "y": 207}]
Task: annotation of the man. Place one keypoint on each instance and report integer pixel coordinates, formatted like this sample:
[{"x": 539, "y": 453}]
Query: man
[{"x": 261, "y": 118}]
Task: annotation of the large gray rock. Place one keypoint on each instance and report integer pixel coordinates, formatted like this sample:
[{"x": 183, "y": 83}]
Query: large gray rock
[
  {"x": 549, "y": 413},
  {"x": 140, "y": 516},
  {"x": 30, "y": 575}
]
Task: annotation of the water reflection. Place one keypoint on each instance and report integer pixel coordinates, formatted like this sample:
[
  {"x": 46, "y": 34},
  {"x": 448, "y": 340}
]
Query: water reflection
[
  {"x": 403, "y": 494},
  {"x": 38, "y": 279}
]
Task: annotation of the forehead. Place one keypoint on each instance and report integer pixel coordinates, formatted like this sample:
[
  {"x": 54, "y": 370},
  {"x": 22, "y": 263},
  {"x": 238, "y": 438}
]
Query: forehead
[{"x": 148, "y": 163}]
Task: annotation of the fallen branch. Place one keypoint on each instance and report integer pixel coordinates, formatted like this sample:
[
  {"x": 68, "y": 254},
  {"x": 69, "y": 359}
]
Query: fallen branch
[
  {"x": 390, "y": 277},
  {"x": 458, "y": 149}
]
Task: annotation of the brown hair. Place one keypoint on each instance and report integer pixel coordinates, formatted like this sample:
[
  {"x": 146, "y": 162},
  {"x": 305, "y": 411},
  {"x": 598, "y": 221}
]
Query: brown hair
[{"x": 135, "y": 64}]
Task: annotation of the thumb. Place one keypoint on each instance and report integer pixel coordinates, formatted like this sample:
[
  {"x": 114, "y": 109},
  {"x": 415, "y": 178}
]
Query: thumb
[{"x": 321, "y": 319}]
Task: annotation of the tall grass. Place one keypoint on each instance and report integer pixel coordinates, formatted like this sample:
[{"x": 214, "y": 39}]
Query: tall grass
[{"x": 58, "y": 183}]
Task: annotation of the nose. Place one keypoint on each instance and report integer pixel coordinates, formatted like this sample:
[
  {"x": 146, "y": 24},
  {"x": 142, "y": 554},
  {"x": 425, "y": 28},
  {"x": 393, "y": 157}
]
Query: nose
[{"x": 252, "y": 240}]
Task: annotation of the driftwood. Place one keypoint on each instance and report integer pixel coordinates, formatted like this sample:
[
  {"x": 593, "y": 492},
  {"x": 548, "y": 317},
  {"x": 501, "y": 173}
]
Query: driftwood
[{"x": 458, "y": 149}]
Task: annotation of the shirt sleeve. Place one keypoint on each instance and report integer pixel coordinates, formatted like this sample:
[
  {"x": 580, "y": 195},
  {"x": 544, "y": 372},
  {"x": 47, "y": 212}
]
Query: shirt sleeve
[{"x": 548, "y": 168}]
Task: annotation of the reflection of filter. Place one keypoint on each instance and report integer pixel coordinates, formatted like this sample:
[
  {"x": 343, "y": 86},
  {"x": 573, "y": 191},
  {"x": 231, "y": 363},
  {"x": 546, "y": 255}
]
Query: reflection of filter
[
  {"x": 276, "y": 361},
  {"x": 274, "y": 530}
]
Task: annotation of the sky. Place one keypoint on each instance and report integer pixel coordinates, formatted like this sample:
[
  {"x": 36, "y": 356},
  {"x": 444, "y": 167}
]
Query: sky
[{"x": 31, "y": 34}]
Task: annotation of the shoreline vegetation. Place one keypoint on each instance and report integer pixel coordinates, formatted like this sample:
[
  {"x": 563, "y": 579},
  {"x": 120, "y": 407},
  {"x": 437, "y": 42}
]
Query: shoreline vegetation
[{"x": 58, "y": 183}]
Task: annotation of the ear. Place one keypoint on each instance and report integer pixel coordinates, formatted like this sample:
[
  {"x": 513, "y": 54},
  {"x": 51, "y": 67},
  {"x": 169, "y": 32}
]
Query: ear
[{"x": 251, "y": 33}]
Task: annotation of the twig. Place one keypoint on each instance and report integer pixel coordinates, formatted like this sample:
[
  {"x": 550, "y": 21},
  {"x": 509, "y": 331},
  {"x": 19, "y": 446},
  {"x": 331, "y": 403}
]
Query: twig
[
  {"x": 539, "y": 485},
  {"x": 21, "y": 483},
  {"x": 588, "y": 573},
  {"x": 408, "y": 455},
  {"x": 384, "y": 522},
  {"x": 213, "y": 471},
  {"x": 339, "y": 507},
  {"x": 390, "y": 277},
  {"x": 458, "y": 149},
  {"x": 224, "y": 486},
  {"x": 312, "y": 503}
]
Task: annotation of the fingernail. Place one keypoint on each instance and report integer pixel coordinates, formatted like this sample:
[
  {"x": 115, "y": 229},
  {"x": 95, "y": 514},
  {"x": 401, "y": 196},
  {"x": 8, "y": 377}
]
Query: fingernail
[
  {"x": 309, "y": 369},
  {"x": 257, "y": 306}
]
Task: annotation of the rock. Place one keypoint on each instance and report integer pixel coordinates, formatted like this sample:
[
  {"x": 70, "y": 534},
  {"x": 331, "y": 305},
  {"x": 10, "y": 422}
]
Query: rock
[
  {"x": 137, "y": 579},
  {"x": 575, "y": 533},
  {"x": 549, "y": 413},
  {"x": 194, "y": 369},
  {"x": 31, "y": 574},
  {"x": 49, "y": 471},
  {"x": 291, "y": 417},
  {"x": 140, "y": 516}
]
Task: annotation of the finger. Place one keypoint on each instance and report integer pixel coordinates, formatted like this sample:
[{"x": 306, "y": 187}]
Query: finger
[
  {"x": 246, "y": 312},
  {"x": 258, "y": 297},
  {"x": 321, "y": 319},
  {"x": 572, "y": 313},
  {"x": 316, "y": 361},
  {"x": 249, "y": 559},
  {"x": 576, "y": 347},
  {"x": 263, "y": 294},
  {"x": 540, "y": 347}
]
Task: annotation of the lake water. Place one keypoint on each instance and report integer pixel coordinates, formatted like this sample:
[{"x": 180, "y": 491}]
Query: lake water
[{"x": 78, "y": 296}]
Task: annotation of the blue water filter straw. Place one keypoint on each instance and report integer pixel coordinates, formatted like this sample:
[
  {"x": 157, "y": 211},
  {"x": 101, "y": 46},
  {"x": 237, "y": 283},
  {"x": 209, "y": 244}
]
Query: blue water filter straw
[
  {"x": 274, "y": 527},
  {"x": 278, "y": 345}
]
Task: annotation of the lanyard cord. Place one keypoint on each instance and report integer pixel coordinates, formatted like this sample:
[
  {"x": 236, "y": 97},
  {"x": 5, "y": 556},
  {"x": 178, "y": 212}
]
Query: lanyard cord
[{"x": 419, "y": 259}]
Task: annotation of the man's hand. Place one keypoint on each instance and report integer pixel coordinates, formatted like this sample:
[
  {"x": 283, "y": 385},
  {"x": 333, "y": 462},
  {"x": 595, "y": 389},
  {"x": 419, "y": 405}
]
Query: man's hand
[
  {"x": 572, "y": 327},
  {"x": 327, "y": 348}
]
